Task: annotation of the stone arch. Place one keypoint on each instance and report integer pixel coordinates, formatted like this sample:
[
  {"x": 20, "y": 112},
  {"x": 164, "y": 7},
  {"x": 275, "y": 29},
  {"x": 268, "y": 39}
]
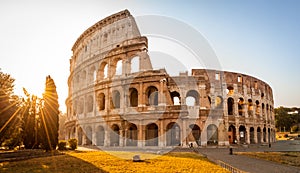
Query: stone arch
[
  {"x": 258, "y": 135},
  {"x": 195, "y": 134},
  {"x": 152, "y": 96},
  {"x": 135, "y": 64},
  {"x": 90, "y": 103},
  {"x": 219, "y": 102},
  {"x": 92, "y": 74},
  {"x": 232, "y": 134},
  {"x": 250, "y": 107},
  {"x": 132, "y": 135},
  {"x": 230, "y": 90},
  {"x": 115, "y": 135},
  {"x": 192, "y": 98},
  {"x": 116, "y": 99},
  {"x": 80, "y": 136},
  {"x": 175, "y": 98},
  {"x": 101, "y": 100},
  {"x": 118, "y": 66},
  {"x": 133, "y": 97},
  {"x": 151, "y": 135},
  {"x": 173, "y": 134},
  {"x": 243, "y": 134},
  {"x": 89, "y": 135},
  {"x": 103, "y": 70},
  {"x": 81, "y": 106},
  {"x": 252, "y": 140},
  {"x": 230, "y": 105},
  {"x": 100, "y": 136},
  {"x": 257, "y": 111},
  {"x": 212, "y": 134},
  {"x": 240, "y": 106}
]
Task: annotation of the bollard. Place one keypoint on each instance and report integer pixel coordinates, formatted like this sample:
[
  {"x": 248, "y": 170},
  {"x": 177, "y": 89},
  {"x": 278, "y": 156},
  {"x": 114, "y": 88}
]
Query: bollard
[
  {"x": 230, "y": 151},
  {"x": 269, "y": 145}
]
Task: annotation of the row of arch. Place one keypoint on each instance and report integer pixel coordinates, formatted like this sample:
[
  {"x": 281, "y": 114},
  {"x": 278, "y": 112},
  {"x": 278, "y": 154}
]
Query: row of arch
[
  {"x": 242, "y": 106},
  {"x": 114, "y": 135},
  {"x": 250, "y": 135}
]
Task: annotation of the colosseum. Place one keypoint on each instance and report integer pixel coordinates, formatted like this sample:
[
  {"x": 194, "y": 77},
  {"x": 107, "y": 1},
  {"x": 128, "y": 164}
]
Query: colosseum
[{"x": 116, "y": 98}]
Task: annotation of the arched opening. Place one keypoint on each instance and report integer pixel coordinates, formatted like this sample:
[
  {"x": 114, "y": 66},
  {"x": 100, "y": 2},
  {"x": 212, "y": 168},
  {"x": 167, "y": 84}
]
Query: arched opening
[
  {"x": 135, "y": 64},
  {"x": 133, "y": 97},
  {"x": 232, "y": 134},
  {"x": 101, "y": 98},
  {"x": 230, "y": 103},
  {"x": 212, "y": 135},
  {"x": 250, "y": 107},
  {"x": 80, "y": 136},
  {"x": 257, "y": 112},
  {"x": 219, "y": 102},
  {"x": 119, "y": 67},
  {"x": 89, "y": 136},
  {"x": 152, "y": 96},
  {"x": 100, "y": 136},
  {"x": 175, "y": 97},
  {"x": 264, "y": 134},
  {"x": 258, "y": 135},
  {"x": 114, "y": 135},
  {"x": 192, "y": 98},
  {"x": 115, "y": 99},
  {"x": 151, "y": 135},
  {"x": 90, "y": 104},
  {"x": 240, "y": 106},
  {"x": 173, "y": 134},
  {"x": 230, "y": 90},
  {"x": 80, "y": 106},
  {"x": 132, "y": 134},
  {"x": 103, "y": 70},
  {"x": 243, "y": 134},
  {"x": 195, "y": 134},
  {"x": 252, "y": 140}
]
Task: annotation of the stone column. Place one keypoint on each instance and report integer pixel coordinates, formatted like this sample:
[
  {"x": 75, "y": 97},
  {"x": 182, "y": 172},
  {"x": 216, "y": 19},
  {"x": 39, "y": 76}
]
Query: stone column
[
  {"x": 183, "y": 134},
  {"x": 255, "y": 135},
  {"x": 141, "y": 140},
  {"x": 247, "y": 135},
  {"x": 161, "y": 135},
  {"x": 141, "y": 95},
  {"x": 106, "y": 137},
  {"x": 121, "y": 138}
]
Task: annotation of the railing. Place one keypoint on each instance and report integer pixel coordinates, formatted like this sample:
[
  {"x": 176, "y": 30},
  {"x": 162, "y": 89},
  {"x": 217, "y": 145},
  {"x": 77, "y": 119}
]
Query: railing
[{"x": 229, "y": 167}]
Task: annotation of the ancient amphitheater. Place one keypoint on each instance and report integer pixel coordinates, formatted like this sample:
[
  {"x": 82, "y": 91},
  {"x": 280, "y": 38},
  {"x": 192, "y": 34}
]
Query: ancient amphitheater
[{"x": 116, "y": 98}]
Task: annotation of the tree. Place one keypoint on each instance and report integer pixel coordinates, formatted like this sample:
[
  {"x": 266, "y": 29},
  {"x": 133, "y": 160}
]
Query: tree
[
  {"x": 9, "y": 112},
  {"x": 49, "y": 116},
  {"x": 286, "y": 118}
]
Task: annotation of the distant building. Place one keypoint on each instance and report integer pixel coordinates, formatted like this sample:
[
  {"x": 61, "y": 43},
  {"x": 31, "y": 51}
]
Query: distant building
[{"x": 116, "y": 98}]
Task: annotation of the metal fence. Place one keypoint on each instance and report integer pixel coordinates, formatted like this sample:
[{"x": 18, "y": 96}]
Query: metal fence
[{"x": 229, "y": 167}]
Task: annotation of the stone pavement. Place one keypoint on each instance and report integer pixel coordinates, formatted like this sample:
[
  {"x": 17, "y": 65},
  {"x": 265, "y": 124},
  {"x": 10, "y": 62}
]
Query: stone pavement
[{"x": 253, "y": 165}]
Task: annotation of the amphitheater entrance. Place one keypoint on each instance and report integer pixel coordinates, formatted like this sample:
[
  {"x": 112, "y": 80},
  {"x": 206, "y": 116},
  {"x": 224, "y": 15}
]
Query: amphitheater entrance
[
  {"x": 88, "y": 136},
  {"x": 252, "y": 140},
  {"x": 264, "y": 134},
  {"x": 80, "y": 136},
  {"x": 212, "y": 135},
  {"x": 258, "y": 135},
  {"x": 232, "y": 134},
  {"x": 114, "y": 135},
  {"x": 131, "y": 139},
  {"x": 100, "y": 136},
  {"x": 151, "y": 135},
  {"x": 243, "y": 132},
  {"x": 195, "y": 136},
  {"x": 173, "y": 134}
]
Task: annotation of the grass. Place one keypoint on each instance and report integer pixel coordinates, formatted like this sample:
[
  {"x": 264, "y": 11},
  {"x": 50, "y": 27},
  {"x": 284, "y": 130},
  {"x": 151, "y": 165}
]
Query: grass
[
  {"x": 98, "y": 161},
  {"x": 288, "y": 158}
]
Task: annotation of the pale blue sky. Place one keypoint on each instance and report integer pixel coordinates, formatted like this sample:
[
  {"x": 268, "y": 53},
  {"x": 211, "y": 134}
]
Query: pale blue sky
[{"x": 258, "y": 38}]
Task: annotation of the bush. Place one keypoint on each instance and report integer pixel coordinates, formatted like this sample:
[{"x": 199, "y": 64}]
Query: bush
[
  {"x": 72, "y": 143},
  {"x": 62, "y": 145}
]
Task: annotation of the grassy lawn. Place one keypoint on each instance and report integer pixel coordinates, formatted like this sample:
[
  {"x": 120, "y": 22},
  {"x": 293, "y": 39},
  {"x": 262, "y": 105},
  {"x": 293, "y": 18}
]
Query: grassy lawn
[
  {"x": 97, "y": 161},
  {"x": 289, "y": 158}
]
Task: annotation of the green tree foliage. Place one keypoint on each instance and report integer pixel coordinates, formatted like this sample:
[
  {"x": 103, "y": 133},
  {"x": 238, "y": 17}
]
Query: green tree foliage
[
  {"x": 50, "y": 116},
  {"x": 9, "y": 112},
  {"x": 286, "y": 118}
]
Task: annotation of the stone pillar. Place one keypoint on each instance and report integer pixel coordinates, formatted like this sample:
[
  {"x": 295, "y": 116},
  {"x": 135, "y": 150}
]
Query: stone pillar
[
  {"x": 161, "y": 96},
  {"x": 141, "y": 132},
  {"x": 183, "y": 134},
  {"x": 94, "y": 136},
  {"x": 247, "y": 135},
  {"x": 122, "y": 138},
  {"x": 255, "y": 135},
  {"x": 161, "y": 135},
  {"x": 141, "y": 95},
  {"x": 106, "y": 138}
]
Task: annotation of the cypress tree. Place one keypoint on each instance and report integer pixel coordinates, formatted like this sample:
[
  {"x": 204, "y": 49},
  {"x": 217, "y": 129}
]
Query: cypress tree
[{"x": 49, "y": 116}]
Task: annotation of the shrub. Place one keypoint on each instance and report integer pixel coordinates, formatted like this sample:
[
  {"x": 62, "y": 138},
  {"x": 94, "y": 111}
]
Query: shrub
[
  {"x": 72, "y": 143},
  {"x": 62, "y": 145}
]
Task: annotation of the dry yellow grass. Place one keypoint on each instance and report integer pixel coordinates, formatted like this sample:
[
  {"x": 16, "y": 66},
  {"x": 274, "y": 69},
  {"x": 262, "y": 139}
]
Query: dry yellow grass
[
  {"x": 289, "y": 158},
  {"x": 98, "y": 161}
]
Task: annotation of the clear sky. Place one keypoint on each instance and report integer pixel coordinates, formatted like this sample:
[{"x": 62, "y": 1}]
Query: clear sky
[{"x": 258, "y": 38}]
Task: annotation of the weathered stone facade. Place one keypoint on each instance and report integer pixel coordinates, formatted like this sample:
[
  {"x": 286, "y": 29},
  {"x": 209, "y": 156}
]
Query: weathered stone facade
[{"x": 111, "y": 102}]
